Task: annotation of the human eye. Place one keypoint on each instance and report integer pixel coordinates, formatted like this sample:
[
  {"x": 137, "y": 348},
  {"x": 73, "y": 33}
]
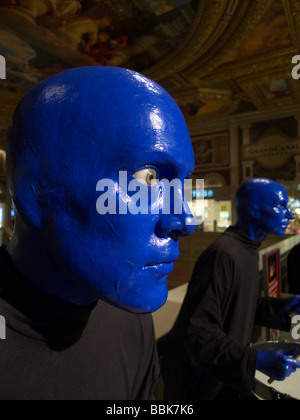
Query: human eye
[
  {"x": 283, "y": 206},
  {"x": 149, "y": 176}
]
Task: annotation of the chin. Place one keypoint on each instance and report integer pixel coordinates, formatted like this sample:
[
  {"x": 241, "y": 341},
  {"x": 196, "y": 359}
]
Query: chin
[{"x": 148, "y": 299}]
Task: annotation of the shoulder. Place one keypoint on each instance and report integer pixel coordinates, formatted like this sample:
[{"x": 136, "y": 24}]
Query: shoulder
[
  {"x": 217, "y": 263},
  {"x": 221, "y": 249}
]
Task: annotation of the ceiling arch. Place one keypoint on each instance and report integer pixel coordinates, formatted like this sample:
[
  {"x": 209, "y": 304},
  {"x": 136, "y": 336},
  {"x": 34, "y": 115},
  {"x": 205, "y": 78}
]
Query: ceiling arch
[
  {"x": 215, "y": 57},
  {"x": 219, "y": 27}
]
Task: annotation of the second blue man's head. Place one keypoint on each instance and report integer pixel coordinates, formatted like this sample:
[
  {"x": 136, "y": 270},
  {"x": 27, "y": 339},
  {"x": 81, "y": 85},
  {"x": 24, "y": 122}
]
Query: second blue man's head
[{"x": 262, "y": 207}]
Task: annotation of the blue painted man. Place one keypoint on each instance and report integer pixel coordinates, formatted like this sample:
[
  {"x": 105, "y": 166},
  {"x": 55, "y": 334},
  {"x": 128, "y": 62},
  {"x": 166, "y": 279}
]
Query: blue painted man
[
  {"x": 207, "y": 354},
  {"x": 79, "y": 286}
]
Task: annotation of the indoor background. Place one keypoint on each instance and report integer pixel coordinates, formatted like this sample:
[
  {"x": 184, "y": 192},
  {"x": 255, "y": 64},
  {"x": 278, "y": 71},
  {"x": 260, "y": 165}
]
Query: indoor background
[{"x": 227, "y": 63}]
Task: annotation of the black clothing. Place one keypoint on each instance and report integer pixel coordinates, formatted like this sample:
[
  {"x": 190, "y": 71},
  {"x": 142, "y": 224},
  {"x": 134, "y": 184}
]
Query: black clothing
[
  {"x": 208, "y": 346},
  {"x": 58, "y": 351},
  {"x": 293, "y": 269}
]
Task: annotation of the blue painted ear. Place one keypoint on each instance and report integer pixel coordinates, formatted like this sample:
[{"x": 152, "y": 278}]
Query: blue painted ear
[{"x": 26, "y": 203}]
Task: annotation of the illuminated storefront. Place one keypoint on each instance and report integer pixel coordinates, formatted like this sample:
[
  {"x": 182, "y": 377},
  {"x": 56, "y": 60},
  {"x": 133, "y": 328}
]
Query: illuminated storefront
[
  {"x": 295, "y": 207},
  {"x": 217, "y": 214},
  {"x": 213, "y": 204}
]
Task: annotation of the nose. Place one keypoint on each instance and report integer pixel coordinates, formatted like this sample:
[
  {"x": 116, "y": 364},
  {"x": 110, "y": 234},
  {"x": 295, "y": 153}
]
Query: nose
[
  {"x": 172, "y": 226},
  {"x": 289, "y": 214},
  {"x": 175, "y": 222}
]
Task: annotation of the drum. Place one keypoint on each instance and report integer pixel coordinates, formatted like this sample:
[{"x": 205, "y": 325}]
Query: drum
[{"x": 288, "y": 389}]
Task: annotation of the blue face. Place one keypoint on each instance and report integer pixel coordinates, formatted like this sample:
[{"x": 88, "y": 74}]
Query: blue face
[
  {"x": 275, "y": 213},
  {"x": 89, "y": 124},
  {"x": 265, "y": 202}
]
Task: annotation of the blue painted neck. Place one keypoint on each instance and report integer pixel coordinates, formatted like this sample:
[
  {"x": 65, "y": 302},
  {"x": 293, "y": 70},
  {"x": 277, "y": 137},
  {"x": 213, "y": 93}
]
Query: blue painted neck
[
  {"x": 253, "y": 233},
  {"x": 33, "y": 263}
]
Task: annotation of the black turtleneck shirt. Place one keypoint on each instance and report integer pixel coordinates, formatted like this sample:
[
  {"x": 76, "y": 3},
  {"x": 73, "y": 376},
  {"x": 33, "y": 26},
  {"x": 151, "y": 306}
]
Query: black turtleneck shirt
[
  {"x": 58, "y": 351},
  {"x": 207, "y": 355}
]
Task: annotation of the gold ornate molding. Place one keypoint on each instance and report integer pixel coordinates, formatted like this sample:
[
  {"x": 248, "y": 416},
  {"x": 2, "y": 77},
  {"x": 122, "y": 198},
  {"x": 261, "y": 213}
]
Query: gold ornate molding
[
  {"x": 245, "y": 21},
  {"x": 253, "y": 67},
  {"x": 208, "y": 16},
  {"x": 253, "y": 87},
  {"x": 292, "y": 11},
  {"x": 220, "y": 27},
  {"x": 227, "y": 103}
]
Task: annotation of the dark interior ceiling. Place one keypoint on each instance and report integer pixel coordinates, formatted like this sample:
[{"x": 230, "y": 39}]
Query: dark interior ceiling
[{"x": 216, "y": 57}]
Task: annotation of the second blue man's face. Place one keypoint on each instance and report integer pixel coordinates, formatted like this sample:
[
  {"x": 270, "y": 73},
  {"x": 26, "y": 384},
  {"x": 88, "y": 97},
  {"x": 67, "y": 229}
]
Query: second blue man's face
[
  {"x": 124, "y": 259},
  {"x": 275, "y": 214}
]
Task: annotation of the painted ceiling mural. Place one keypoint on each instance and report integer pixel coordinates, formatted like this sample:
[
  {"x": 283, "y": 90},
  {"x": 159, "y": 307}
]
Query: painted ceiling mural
[
  {"x": 216, "y": 57},
  {"x": 42, "y": 37}
]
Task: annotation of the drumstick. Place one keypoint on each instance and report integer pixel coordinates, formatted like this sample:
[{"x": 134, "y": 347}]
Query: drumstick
[{"x": 270, "y": 380}]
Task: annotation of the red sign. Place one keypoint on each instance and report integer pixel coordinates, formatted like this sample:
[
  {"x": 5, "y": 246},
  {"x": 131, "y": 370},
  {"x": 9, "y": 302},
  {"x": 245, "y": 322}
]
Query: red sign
[
  {"x": 272, "y": 283},
  {"x": 273, "y": 274}
]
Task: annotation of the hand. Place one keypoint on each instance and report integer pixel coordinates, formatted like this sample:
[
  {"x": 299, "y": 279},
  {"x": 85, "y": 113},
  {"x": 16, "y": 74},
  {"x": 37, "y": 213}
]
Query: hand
[
  {"x": 278, "y": 364},
  {"x": 292, "y": 305}
]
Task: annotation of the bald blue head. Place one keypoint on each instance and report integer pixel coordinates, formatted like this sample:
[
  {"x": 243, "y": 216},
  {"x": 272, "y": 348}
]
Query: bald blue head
[
  {"x": 263, "y": 204},
  {"x": 69, "y": 132}
]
